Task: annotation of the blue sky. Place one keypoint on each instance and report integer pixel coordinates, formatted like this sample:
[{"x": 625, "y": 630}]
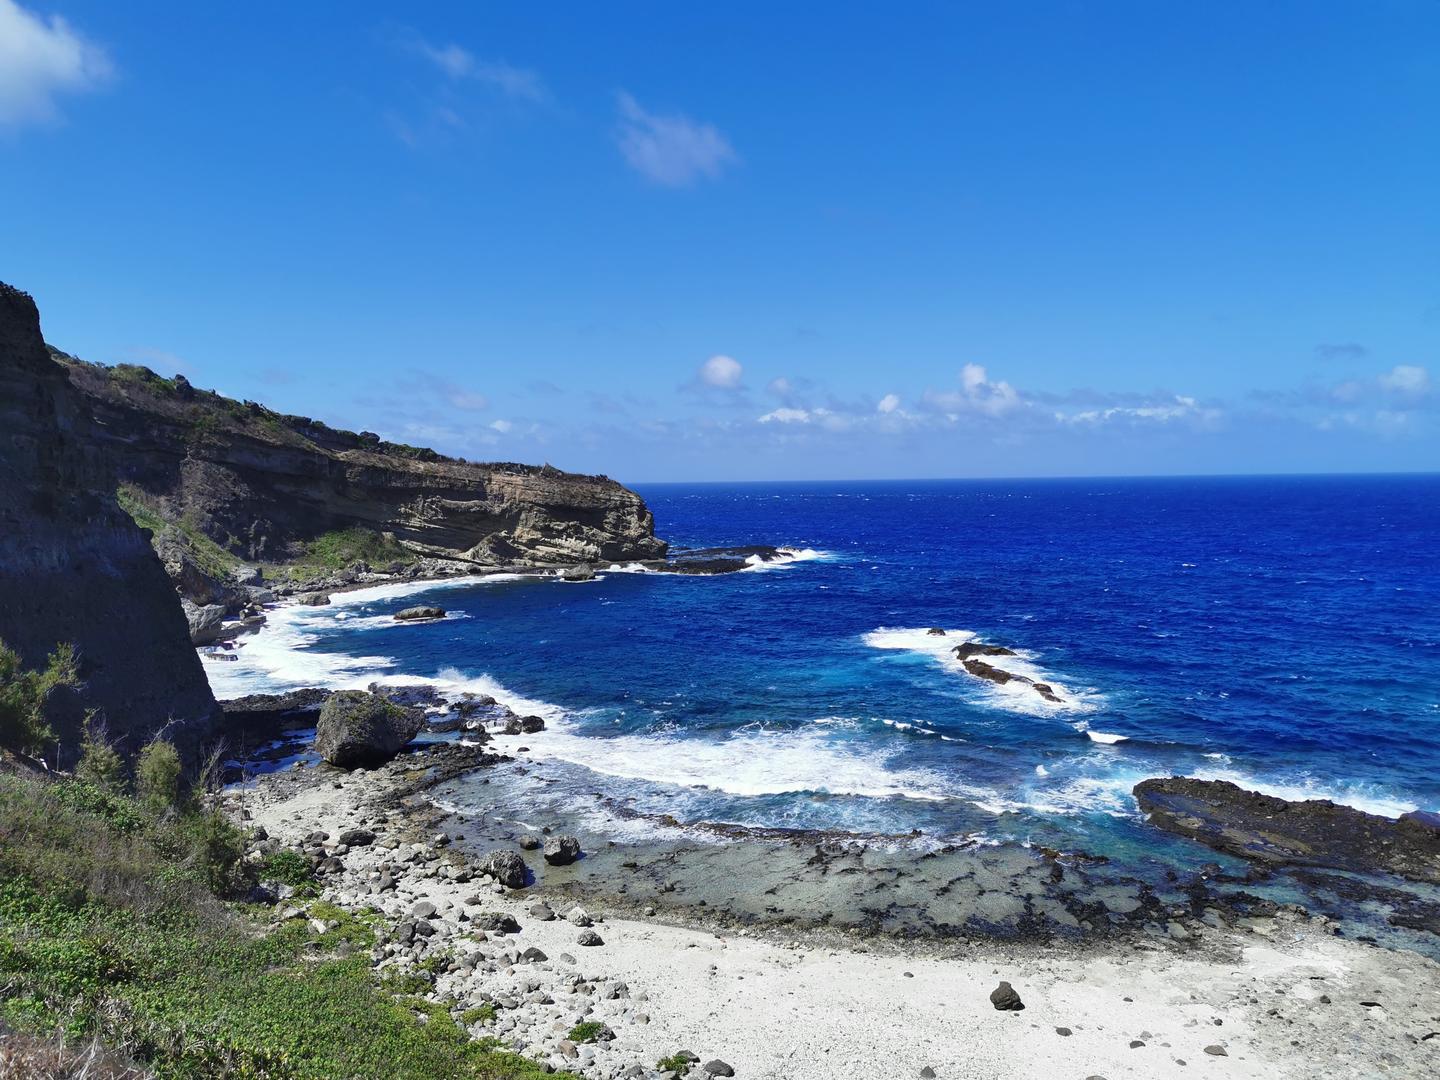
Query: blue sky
[{"x": 754, "y": 241}]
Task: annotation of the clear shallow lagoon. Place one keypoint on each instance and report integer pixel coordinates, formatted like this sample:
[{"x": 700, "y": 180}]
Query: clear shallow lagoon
[{"x": 1280, "y": 632}]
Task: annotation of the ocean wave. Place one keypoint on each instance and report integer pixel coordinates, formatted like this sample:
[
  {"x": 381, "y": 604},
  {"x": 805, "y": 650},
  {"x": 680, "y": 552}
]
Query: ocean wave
[
  {"x": 1014, "y": 696},
  {"x": 788, "y": 556}
]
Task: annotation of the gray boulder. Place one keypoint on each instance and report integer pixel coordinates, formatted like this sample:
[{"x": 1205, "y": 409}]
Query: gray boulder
[
  {"x": 314, "y": 599},
  {"x": 416, "y": 614},
  {"x": 359, "y": 728},
  {"x": 505, "y": 867},
  {"x": 561, "y": 850},
  {"x": 204, "y": 621}
]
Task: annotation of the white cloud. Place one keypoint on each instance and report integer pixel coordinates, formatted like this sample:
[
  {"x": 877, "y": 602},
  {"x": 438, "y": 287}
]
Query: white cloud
[
  {"x": 1164, "y": 412},
  {"x": 41, "y": 59},
  {"x": 459, "y": 63},
  {"x": 673, "y": 151},
  {"x": 721, "y": 371},
  {"x": 788, "y": 416},
  {"x": 1407, "y": 380},
  {"x": 888, "y": 404},
  {"x": 504, "y": 427},
  {"x": 976, "y": 394},
  {"x": 779, "y": 387}
]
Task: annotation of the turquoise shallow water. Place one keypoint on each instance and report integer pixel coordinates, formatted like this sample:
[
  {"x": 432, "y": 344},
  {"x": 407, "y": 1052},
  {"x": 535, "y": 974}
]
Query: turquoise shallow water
[{"x": 1283, "y": 633}]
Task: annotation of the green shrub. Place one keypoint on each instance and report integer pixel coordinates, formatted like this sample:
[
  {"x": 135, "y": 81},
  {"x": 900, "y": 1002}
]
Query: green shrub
[
  {"x": 286, "y": 866},
  {"x": 586, "y": 1032},
  {"x": 481, "y": 1014},
  {"x": 23, "y": 727},
  {"x": 100, "y": 765},
  {"x": 106, "y": 933},
  {"x": 157, "y": 776}
]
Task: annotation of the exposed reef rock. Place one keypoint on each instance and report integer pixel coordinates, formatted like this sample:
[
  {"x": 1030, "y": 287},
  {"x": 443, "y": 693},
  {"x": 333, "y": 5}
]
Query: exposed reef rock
[
  {"x": 989, "y": 672},
  {"x": 75, "y": 568},
  {"x": 1278, "y": 832},
  {"x": 419, "y": 614},
  {"x": 263, "y": 486}
]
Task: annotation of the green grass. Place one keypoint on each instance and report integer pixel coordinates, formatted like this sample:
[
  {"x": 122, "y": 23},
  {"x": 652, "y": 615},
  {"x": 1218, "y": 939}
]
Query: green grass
[
  {"x": 586, "y": 1032},
  {"x": 338, "y": 549},
  {"x": 675, "y": 1063},
  {"x": 109, "y": 927},
  {"x": 210, "y": 556}
]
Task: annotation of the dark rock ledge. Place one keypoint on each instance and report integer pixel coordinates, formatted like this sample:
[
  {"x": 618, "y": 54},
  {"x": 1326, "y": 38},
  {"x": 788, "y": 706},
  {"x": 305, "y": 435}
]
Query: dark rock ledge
[{"x": 1277, "y": 832}]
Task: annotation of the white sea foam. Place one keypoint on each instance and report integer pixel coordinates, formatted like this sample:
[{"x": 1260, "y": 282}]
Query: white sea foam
[
  {"x": 1106, "y": 738},
  {"x": 281, "y": 656},
  {"x": 1013, "y": 696},
  {"x": 787, "y": 556}
]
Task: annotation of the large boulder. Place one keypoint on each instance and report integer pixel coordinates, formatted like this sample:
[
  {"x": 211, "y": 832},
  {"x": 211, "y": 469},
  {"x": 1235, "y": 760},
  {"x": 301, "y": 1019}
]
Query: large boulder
[
  {"x": 417, "y": 614},
  {"x": 561, "y": 850},
  {"x": 505, "y": 867},
  {"x": 360, "y": 728},
  {"x": 204, "y": 621}
]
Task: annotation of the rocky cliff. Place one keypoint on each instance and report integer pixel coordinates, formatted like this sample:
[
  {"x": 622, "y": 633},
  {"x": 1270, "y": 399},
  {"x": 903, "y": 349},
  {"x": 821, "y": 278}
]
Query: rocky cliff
[
  {"x": 266, "y": 487},
  {"x": 75, "y": 568}
]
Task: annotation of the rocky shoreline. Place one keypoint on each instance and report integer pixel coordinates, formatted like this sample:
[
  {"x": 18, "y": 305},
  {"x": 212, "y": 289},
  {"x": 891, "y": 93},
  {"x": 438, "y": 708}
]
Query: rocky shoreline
[{"x": 589, "y": 983}]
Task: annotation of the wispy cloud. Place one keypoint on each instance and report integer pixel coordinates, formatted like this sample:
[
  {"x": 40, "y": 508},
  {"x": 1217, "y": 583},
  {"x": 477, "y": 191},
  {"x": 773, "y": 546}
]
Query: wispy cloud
[
  {"x": 40, "y": 60},
  {"x": 1343, "y": 351},
  {"x": 1406, "y": 380},
  {"x": 671, "y": 150},
  {"x": 459, "y": 64}
]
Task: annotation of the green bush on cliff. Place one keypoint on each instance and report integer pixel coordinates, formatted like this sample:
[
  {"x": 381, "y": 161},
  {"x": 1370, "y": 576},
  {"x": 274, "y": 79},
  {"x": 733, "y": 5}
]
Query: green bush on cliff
[
  {"x": 23, "y": 727},
  {"x": 343, "y": 547},
  {"x": 110, "y": 926},
  {"x": 157, "y": 776}
]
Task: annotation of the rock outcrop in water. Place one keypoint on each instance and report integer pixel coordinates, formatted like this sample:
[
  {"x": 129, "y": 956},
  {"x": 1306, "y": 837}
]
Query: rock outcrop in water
[
  {"x": 75, "y": 568},
  {"x": 264, "y": 486},
  {"x": 1277, "y": 832}
]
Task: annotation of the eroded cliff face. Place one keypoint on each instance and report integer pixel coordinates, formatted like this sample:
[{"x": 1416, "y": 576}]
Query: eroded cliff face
[
  {"x": 262, "y": 484},
  {"x": 75, "y": 568}
]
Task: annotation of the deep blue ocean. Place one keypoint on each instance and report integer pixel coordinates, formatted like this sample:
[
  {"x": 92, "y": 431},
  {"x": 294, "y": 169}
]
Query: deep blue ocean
[{"x": 1280, "y": 632}]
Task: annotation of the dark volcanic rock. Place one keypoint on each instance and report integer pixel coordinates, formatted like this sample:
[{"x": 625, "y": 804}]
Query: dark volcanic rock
[
  {"x": 529, "y": 725},
  {"x": 313, "y": 599},
  {"x": 359, "y": 728},
  {"x": 505, "y": 867},
  {"x": 293, "y": 709},
  {"x": 982, "y": 670},
  {"x": 1005, "y": 999},
  {"x": 75, "y": 568},
  {"x": 974, "y": 648},
  {"x": 561, "y": 850},
  {"x": 415, "y": 614},
  {"x": 1274, "y": 831}
]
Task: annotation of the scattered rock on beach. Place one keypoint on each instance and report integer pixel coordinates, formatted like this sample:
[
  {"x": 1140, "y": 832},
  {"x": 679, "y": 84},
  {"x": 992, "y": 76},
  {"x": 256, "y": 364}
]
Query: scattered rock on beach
[
  {"x": 561, "y": 850},
  {"x": 505, "y": 867},
  {"x": 589, "y": 937},
  {"x": 541, "y": 912},
  {"x": 313, "y": 599},
  {"x": 497, "y": 922},
  {"x": 718, "y": 1068},
  {"x": 1216, "y": 1050},
  {"x": 357, "y": 837},
  {"x": 359, "y": 728},
  {"x": 416, "y": 614},
  {"x": 1005, "y": 999},
  {"x": 927, "y": 1073}
]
